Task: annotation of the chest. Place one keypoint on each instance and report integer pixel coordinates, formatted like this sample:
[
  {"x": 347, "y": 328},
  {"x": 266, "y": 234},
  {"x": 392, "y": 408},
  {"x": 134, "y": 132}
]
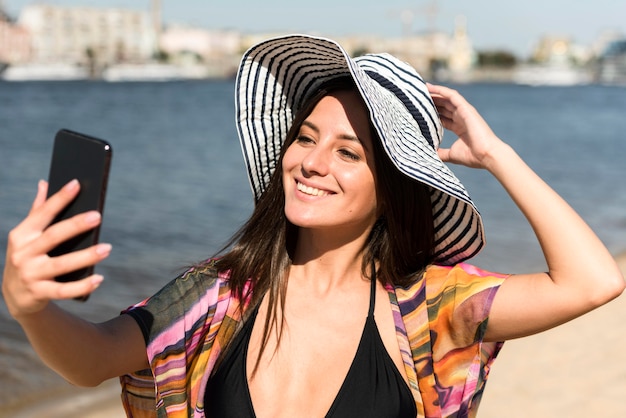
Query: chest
[{"x": 307, "y": 360}]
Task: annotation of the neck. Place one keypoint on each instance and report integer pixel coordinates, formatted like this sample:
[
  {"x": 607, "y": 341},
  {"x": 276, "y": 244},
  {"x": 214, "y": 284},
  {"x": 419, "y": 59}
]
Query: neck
[{"x": 326, "y": 262}]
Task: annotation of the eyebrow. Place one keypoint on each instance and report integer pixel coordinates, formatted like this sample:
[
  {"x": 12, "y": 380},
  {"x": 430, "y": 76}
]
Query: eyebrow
[{"x": 342, "y": 136}]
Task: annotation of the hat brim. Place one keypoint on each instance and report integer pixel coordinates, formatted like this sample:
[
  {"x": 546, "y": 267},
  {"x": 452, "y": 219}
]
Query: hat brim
[{"x": 277, "y": 76}]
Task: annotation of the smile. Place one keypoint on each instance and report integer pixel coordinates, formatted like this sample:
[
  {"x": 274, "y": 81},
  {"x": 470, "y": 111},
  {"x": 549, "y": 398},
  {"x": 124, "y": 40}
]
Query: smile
[{"x": 312, "y": 191}]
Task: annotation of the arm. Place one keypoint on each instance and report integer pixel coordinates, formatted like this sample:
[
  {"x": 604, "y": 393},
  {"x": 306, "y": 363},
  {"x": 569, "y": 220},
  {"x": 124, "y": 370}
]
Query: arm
[
  {"x": 82, "y": 352},
  {"x": 582, "y": 274}
]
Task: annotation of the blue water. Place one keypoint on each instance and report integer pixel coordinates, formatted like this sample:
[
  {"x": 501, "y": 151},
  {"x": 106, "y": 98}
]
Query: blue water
[{"x": 178, "y": 188}]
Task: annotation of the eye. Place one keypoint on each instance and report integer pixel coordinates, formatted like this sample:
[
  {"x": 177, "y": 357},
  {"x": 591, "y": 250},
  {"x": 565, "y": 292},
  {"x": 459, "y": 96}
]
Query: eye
[
  {"x": 303, "y": 139},
  {"x": 351, "y": 155}
]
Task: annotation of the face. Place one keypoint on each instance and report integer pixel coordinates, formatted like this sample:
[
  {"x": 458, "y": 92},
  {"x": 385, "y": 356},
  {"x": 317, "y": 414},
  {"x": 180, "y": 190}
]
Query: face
[{"x": 328, "y": 171}]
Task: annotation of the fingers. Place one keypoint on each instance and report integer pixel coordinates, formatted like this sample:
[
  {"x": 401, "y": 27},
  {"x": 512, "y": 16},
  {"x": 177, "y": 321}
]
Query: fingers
[
  {"x": 445, "y": 107},
  {"x": 26, "y": 242},
  {"x": 42, "y": 190},
  {"x": 31, "y": 298},
  {"x": 52, "y": 290},
  {"x": 448, "y": 101},
  {"x": 66, "y": 263},
  {"x": 445, "y": 113},
  {"x": 62, "y": 231},
  {"x": 29, "y": 275},
  {"x": 28, "y": 250},
  {"x": 441, "y": 92},
  {"x": 29, "y": 283},
  {"x": 44, "y": 211}
]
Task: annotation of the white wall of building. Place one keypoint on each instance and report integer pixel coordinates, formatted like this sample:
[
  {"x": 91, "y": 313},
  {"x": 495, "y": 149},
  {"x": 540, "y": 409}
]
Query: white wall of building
[{"x": 66, "y": 34}]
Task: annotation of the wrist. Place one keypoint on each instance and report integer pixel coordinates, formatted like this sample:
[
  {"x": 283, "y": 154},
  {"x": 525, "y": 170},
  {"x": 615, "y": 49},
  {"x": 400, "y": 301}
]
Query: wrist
[
  {"x": 24, "y": 315},
  {"x": 497, "y": 157}
]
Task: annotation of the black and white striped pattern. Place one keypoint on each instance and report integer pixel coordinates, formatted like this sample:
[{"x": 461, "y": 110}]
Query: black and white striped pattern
[{"x": 276, "y": 77}]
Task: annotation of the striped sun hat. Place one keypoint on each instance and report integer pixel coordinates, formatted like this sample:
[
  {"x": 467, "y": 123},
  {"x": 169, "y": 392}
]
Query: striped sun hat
[{"x": 277, "y": 76}]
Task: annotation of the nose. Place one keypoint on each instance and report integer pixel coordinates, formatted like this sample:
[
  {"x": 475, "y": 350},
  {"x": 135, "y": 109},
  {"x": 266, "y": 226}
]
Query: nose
[{"x": 316, "y": 161}]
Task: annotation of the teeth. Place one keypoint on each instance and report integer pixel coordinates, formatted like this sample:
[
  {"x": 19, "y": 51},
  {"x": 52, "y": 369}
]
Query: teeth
[{"x": 311, "y": 190}]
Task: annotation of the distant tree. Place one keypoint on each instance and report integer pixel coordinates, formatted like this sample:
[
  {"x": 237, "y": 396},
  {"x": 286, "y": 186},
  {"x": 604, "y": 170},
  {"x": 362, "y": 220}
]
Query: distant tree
[
  {"x": 359, "y": 52},
  {"x": 161, "y": 56},
  {"x": 190, "y": 56},
  {"x": 120, "y": 51},
  {"x": 502, "y": 59},
  {"x": 4, "y": 16},
  {"x": 90, "y": 54}
]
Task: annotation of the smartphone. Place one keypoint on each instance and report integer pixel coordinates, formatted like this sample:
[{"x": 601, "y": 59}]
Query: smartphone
[{"x": 87, "y": 159}]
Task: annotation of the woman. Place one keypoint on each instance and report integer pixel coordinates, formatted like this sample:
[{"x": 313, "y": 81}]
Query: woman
[{"x": 346, "y": 293}]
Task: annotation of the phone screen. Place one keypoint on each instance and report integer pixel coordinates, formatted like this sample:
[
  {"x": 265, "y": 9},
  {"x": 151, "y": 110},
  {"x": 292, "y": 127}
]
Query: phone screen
[{"x": 87, "y": 159}]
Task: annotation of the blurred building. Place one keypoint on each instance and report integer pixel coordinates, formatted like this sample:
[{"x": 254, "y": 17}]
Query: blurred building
[
  {"x": 218, "y": 51},
  {"x": 14, "y": 41},
  {"x": 107, "y": 39},
  {"x": 435, "y": 55},
  {"x": 612, "y": 63},
  {"x": 88, "y": 36},
  {"x": 461, "y": 56},
  {"x": 561, "y": 49},
  {"x": 556, "y": 61}
]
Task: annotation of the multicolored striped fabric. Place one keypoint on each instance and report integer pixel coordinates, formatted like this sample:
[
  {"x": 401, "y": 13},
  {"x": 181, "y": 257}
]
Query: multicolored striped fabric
[
  {"x": 444, "y": 318},
  {"x": 440, "y": 322}
]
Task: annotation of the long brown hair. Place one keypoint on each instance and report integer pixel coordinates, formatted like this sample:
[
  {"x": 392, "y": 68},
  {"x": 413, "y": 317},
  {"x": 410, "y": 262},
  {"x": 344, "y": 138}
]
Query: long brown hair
[{"x": 401, "y": 241}]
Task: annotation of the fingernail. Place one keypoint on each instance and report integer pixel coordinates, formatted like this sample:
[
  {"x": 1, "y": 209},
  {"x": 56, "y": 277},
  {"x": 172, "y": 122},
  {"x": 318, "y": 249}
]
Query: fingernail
[
  {"x": 102, "y": 249},
  {"x": 73, "y": 184},
  {"x": 93, "y": 217},
  {"x": 97, "y": 280}
]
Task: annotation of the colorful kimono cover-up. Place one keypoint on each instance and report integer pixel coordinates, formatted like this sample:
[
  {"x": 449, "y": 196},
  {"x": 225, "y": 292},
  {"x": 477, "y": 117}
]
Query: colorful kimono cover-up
[{"x": 440, "y": 322}]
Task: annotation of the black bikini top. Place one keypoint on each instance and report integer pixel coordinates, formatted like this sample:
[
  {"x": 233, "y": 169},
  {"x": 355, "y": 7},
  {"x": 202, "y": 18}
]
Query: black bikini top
[{"x": 373, "y": 386}]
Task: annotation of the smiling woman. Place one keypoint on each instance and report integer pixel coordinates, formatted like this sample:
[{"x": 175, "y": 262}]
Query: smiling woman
[{"x": 347, "y": 291}]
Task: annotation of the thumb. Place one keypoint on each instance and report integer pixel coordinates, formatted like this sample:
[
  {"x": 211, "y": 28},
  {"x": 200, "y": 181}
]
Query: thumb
[{"x": 444, "y": 154}]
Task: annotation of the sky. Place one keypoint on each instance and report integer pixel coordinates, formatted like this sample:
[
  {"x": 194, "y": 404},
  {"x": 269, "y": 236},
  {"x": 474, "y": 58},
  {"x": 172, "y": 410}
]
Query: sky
[{"x": 491, "y": 24}]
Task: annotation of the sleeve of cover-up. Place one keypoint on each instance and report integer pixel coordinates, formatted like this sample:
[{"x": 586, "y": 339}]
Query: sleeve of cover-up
[
  {"x": 459, "y": 302},
  {"x": 176, "y": 323}
]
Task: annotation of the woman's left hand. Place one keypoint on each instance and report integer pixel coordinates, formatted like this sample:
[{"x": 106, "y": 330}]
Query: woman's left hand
[{"x": 475, "y": 140}]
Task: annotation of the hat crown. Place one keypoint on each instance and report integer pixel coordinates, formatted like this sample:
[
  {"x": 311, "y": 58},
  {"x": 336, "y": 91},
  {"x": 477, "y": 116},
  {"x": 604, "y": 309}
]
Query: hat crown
[{"x": 409, "y": 88}]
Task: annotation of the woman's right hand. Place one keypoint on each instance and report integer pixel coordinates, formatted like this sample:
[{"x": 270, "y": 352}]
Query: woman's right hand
[
  {"x": 29, "y": 275},
  {"x": 476, "y": 141}
]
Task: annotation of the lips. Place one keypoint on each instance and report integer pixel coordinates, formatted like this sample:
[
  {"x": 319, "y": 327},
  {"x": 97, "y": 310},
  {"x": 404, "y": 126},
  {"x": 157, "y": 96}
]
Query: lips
[{"x": 311, "y": 191}]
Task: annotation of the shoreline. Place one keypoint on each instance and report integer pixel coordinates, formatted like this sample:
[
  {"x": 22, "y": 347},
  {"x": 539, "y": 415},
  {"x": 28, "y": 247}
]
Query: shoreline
[
  {"x": 575, "y": 370},
  {"x": 102, "y": 401},
  {"x": 70, "y": 401}
]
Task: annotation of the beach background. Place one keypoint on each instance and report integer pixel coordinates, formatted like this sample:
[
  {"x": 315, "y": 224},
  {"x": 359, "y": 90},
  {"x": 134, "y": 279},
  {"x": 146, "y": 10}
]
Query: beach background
[{"x": 178, "y": 190}]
